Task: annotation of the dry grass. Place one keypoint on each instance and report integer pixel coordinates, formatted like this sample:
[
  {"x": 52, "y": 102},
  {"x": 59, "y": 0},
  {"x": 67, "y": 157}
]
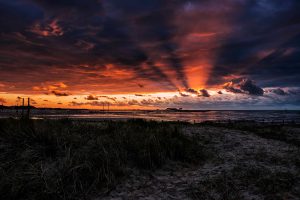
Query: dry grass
[
  {"x": 238, "y": 182},
  {"x": 62, "y": 159}
]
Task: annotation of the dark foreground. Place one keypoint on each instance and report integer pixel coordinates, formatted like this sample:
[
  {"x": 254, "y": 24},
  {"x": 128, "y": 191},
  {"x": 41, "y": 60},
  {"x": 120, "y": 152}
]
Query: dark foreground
[{"x": 135, "y": 159}]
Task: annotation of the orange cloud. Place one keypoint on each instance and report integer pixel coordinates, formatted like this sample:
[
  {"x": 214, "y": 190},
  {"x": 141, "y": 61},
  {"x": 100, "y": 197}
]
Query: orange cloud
[{"x": 2, "y": 100}]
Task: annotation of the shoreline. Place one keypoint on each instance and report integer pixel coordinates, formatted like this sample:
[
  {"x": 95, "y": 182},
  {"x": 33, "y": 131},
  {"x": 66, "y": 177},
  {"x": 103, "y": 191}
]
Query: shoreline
[{"x": 207, "y": 122}]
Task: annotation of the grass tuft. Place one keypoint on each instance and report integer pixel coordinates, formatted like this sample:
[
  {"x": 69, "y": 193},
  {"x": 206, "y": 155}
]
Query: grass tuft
[{"x": 62, "y": 159}]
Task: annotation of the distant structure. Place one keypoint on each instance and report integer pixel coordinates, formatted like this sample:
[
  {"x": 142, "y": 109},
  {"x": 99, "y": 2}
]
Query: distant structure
[
  {"x": 105, "y": 107},
  {"x": 28, "y": 108},
  {"x": 23, "y": 108},
  {"x": 23, "y": 104},
  {"x": 173, "y": 109},
  {"x": 2, "y": 107}
]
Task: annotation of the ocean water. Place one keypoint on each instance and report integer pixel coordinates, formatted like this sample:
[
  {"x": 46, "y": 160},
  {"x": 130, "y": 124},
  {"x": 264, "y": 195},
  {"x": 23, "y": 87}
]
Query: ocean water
[{"x": 189, "y": 116}]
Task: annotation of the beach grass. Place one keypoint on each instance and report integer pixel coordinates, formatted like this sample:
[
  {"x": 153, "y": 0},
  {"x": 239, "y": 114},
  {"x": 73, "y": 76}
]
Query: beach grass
[
  {"x": 69, "y": 159},
  {"x": 255, "y": 179},
  {"x": 64, "y": 159},
  {"x": 280, "y": 131}
]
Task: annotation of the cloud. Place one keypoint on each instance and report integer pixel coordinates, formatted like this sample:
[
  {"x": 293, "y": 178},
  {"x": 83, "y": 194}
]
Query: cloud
[
  {"x": 49, "y": 87},
  {"x": 91, "y": 98},
  {"x": 243, "y": 85},
  {"x": 85, "y": 45},
  {"x": 2, "y": 100},
  {"x": 294, "y": 91},
  {"x": 108, "y": 97},
  {"x": 47, "y": 29},
  {"x": 110, "y": 46},
  {"x": 204, "y": 93},
  {"x": 74, "y": 103},
  {"x": 191, "y": 90},
  {"x": 225, "y": 101},
  {"x": 132, "y": 102},
  {"x": 59, "y": 93},
  {"x": 183, "y": 94},
  {"x": 33, "y": 102},
  {"x": 279, "y": 91},
  {"x": 20, "y": 15},
  {"x": 291, "y": 92},
  {"x": 261, "y": 44}
]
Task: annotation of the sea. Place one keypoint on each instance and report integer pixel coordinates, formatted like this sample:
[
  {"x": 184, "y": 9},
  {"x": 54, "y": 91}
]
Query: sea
[{"x": 164, "y": 115}]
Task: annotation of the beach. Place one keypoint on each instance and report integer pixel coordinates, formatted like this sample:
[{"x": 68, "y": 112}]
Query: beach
[
  {"x": 241, "y": 165},
  {"x": 150, "y": 100},
  {"x": 137, "y": 159}
]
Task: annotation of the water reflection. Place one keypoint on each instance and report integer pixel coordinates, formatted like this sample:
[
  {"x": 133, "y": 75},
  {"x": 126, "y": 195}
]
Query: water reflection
[{"x": 196, "y": 116}]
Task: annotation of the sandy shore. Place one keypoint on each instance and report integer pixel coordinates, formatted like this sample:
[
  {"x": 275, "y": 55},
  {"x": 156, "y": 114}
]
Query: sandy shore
[{"x": 241, "y": 165}]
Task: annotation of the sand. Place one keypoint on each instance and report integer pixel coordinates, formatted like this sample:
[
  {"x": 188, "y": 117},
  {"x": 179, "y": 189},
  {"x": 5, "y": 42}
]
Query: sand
[{"x": 240, "y": 165}]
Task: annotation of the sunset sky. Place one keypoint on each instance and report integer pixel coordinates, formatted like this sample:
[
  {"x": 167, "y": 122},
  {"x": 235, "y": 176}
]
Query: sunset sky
[{"x": 151, "y": 54}]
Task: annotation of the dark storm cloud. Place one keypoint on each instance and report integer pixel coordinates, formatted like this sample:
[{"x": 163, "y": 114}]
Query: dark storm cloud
[
  {"x": 183, "y": 94},
  {"x": 204, "y": 93},
  {"x": 49, "y": 40},
  {"x": 279, "y": 91},
  {"x": 158, "y": 73},
  {"x": 288, "y": 92},
  {"x": 153, "y": 23},
  {"x": 17, "y": 15},
  {"x": 57, "y": 34},
  {"x": 192, "y": 91},
  {"x": 264, "y": 44},
  {"x": 243, "y": 85},
  {"x": 79, "y": 5}
]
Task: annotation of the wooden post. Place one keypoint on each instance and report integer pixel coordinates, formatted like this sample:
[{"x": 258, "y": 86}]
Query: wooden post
[
  {"x": 28, "y": 108},
  {"x": 23, "y": 103},
  {"x": 17, "y": 109}
]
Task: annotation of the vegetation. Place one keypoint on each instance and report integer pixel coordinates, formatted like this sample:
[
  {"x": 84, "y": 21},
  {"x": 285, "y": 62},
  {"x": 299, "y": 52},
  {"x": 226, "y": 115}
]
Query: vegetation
[
  {"x": 65, "y": 159},
  {"x": 288, "y": 133},
  {"x": 62, "y": 159},
  {"x": 255, "y": 179}
]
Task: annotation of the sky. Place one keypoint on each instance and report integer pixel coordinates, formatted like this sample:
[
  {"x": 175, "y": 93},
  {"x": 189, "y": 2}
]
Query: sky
[{"x": 151, "y": 54}]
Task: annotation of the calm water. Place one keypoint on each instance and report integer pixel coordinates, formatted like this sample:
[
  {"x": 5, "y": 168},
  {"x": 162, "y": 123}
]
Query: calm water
[{"x": 198, "y": 116}]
